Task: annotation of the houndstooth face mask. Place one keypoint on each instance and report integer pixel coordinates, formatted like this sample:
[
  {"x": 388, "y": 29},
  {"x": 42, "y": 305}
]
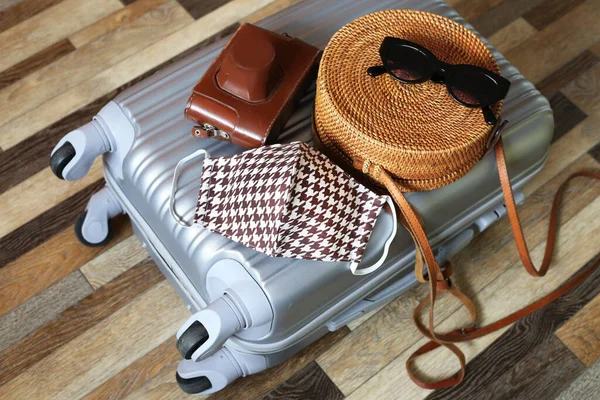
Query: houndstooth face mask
[{"x": 289, "y": 200}]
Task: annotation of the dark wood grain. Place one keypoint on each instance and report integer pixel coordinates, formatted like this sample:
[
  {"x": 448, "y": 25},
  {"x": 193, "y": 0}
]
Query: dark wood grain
[
  {"x": 134, "y": 376},
  {"x": 595, "y": 152},
  {"x": 549, "y": 11},
  {"x": 35, "y": 62},
  {"x": 567, "y": 73},
  {"x": 46, "y": 225},
  {"x": 496, "y": 18},
  {"x": 254, "y": 386},
  {"x": 22, "y": 11},
  {"x": 199, "y": 8},
  {"x": 33, "y": 154},
  {"x": 566, "y": 115},
  {"x": 520, "y": 342},
  {"x": 79, "y": 318},
  {"x": 310, "y": 383},
  {"x": 546, "y": 371}
]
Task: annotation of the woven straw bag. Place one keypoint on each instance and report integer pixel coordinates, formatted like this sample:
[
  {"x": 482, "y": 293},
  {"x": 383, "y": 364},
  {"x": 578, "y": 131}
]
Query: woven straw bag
[
  {"x": 409, "y": 138},
  {"x": 393, "y": 123}
]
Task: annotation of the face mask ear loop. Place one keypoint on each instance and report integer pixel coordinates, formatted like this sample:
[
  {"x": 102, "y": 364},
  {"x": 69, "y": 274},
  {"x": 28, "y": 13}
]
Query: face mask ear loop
[
  {"x": 174, "y": 214},
  {"x": 386, "y": 247}
]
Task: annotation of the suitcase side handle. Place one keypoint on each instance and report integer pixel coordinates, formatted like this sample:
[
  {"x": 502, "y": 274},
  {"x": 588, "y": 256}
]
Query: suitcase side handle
[{"x": 176, "y": 174}]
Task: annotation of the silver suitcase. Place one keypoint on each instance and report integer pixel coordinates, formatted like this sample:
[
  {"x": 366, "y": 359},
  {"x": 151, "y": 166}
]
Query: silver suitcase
[{"x": 252, "y": 311}]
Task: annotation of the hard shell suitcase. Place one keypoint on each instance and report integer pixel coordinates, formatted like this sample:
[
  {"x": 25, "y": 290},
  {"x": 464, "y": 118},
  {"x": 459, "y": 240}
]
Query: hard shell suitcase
[{"x": 254, "y": 311}]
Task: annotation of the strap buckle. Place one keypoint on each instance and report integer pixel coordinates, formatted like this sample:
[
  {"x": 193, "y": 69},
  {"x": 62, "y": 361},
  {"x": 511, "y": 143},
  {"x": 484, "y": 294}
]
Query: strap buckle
[
  {"x": 470, "y": 329},
  {"x": 211, "y": 131},
  {"x": 495, "y": 134}
]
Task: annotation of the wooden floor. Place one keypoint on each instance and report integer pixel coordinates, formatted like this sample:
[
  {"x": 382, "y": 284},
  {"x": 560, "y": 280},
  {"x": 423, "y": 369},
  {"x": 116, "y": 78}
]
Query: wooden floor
[{"x": 99, "y": 323}]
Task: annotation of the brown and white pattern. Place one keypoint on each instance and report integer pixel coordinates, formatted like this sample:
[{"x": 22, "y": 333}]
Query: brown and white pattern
[{"x": 288, "y": 200}]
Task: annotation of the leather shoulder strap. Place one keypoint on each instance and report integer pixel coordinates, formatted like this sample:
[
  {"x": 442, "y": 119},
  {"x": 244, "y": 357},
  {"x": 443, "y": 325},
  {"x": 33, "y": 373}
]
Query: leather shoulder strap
[
  {"x": 513, "y": 216},
  {"x": 439, "y": 277}
]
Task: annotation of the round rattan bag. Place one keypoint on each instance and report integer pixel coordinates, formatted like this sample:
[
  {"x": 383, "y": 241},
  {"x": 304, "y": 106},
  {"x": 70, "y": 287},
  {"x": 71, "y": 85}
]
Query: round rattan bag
[{"x": 417, "y": 132}]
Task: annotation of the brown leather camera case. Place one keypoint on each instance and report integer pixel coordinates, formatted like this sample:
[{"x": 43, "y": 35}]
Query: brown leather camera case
[{"x": 250, "y": 90}]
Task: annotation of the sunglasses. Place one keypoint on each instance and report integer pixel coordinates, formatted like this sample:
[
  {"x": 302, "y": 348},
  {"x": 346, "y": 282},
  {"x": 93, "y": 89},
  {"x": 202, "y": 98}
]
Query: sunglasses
[{"x": 470, "y": 86}]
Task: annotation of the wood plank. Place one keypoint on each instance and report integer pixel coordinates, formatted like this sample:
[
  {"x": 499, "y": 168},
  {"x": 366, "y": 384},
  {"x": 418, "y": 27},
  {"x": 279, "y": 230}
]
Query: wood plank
[
  {"x": 566, "y": 150},
  {"x": 50, "y": 26},
  {"x": 113, "y": 21},
  {"x": 40, "y": 193},
  {"x": 48, "y": 263},
  {"x": 113, "y": 262},
  {"x": 91, "y": 59},
  {"x": 12, "y": 15},
  {"x": 310, "y": 383},
  {"x": 268, "y": 10},
  {"x": 548, "y": 12},
  {"x": 586, "y": 387},
  {"x": 585, "y": 91},
  {"x": 470, "y": 9},
  {"x": 198, "y": 9},
  {"x": 507, "y": 293},
  {"x": 512, "y": 35},
  {"x": 390, "y": 332},
  {"x": 43, "y": 308},
  {"x": 112, "y": 78},
  {"x": 163, "y": 357},
  {"x": 566, "y": 115},
  {"x": 31, "y": 155},
  {"x": 495, "y": 18},
  {"x": 501, "y": 360},
  {"x": 543, "y": 373},
  {"x": 567, "y": 73},
  {"x": 35, "y": 62},
  {"x": 41, "y": 229},
  {"x": 581, "y": 334},
  {"x": 559, "y": 43},
  {"x": 95, "y": 351}
]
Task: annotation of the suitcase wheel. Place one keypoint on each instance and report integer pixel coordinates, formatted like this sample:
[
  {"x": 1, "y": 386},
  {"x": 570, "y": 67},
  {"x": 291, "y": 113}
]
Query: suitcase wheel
[
  {"x": 192, "y": 339},
  {"x": 193, "y": 385},
  {"x": 60, "y": 159},
  {"x": 79, "y": 233}
]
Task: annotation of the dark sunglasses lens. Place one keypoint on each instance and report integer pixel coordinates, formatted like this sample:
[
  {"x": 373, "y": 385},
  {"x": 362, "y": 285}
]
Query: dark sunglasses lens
[
  {"x": 407, "y": 63},
  {"x": 474, "y": 88}
]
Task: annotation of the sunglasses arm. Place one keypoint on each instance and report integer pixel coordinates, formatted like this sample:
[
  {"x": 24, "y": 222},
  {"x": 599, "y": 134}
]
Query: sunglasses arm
[{"x": 376, "y": 70}]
